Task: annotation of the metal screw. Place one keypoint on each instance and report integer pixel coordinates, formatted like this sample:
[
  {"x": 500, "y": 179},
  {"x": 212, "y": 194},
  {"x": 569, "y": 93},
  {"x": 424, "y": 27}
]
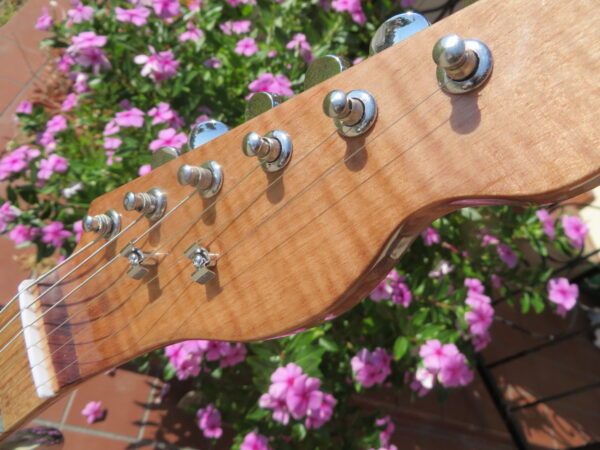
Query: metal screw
[{"x": 338, "y": 105}]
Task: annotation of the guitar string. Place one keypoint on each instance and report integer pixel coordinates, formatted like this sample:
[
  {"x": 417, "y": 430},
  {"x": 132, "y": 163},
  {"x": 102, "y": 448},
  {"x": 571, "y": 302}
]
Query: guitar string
[
  {"x": 44, "y": 275},
  {"x": 22, "y": 330},
  {"x": 338, "y": 164},
  {"x": 155, "y": 252},
  {"x": 107, "y": 243}
]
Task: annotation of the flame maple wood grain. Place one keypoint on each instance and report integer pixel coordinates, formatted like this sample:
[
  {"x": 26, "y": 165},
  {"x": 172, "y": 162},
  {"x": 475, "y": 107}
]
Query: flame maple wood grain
[{"x": 311, "y": 243}]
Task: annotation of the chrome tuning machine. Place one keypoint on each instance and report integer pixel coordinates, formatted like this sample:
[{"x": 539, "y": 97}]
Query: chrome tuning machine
[
  {"x": 203, "y": 262},
  {"x": 106, "y": 225},
  {"x": 207, "y": 178},
  {"x": 273, "y": 150},
  {"x": 262, "y": 102},
  {"x": 152, "y": 204},
  {"x": 463, "y": 64},
  {"x": 353, "y": 113}
]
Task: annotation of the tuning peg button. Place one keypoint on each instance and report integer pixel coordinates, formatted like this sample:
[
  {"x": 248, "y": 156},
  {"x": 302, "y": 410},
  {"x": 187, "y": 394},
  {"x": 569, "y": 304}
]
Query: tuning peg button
[
  {"x": 106, "y": 225},
  {"x": 463, "y": 64},
  {"x": 205, "y": 131},
  {"x": 152, "y": 204},
  {"x": 323, "y": 68},
  {"x": 274, "y": 150},
  {"x": 396, "y": 29},
  {"x": 353, "y": 114},
  {"x": 207, "y": 178},
  {"x": 262, "y": 102},
  {"x": 164, "y": 155}
]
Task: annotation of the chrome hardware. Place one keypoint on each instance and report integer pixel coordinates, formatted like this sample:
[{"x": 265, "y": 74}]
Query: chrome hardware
[
  {"x": 207, "y": 178},
  {"x": 273, "y": 150},
  {"x": 136, "y": 257},
  {"x": 463, "y": 64},
  {"x": 324, "y": 68},
  {"x": 397, "y": 29},
  {"x": 262, "y": 102},
  {"x": 152, "y": 204},
  {"x": 164, "y": 155},
  {"x": 206, "y": 131},
  {"x": 106, "y": 225},
  {"x": 203, "y": 261},
  {"x": 353, "y": 113}
]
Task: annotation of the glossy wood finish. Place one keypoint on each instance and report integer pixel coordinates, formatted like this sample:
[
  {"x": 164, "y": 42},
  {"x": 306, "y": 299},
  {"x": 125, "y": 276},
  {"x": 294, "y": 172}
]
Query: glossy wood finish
[{"x": 298, "y": 248}]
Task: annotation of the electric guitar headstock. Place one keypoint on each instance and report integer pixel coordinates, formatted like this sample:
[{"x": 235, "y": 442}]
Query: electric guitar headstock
[{"x": 238, "y": 245}]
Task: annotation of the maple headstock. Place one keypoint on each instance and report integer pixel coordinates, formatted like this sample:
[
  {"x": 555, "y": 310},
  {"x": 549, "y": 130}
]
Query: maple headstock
[{"x": 298, "y": 246}]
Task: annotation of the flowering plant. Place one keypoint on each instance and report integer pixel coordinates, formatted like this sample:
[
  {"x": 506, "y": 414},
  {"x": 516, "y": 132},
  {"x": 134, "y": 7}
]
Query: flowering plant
[{"x": 134, "y": 77}]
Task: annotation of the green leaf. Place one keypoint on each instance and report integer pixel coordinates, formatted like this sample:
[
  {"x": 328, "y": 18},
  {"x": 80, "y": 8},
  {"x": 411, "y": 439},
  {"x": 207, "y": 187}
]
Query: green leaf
[
  {"x": 537, "y": 302},
  {"x": 400, "y": 347},
  {"x": 419, "y": 317},
  {"x": 525, "y": 303},
  {"x": 329, "y": 344}
]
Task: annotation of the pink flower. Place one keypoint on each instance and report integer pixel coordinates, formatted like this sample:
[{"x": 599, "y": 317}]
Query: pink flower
[
  {"x": 575, "y": 230},
  {"x": 94, "y": 58},
  {"x": 194, "y": 5},
  {"x": 80, "y": 13},
  {"x": 479, "y": 319},
  {"x": 64, "y": 63},
  {"x": 17, "y": 161},
  {"x": 158, "y": 66},
  {"x": 168, "y": 138},
  {"x": 213, "y": 350},
  {"x": 246, "y": 46},
  {"x": 304, "y": 394},
  {"x": 185, "y": 357},
  {"x": 235, "y": 3},
  {"x": 547, "y": 222},
  {"x": 56, "y": 124},
  {"x": 234, "y": 355},
  {"x": 455, "y": 371},
  {"x": 209, "y": 421},
  {"x": 386, "y": 435},
  {"x": 275, "y": 84},
  {"x": 507, "y": 255},
  {"x": 81, "y": 85},
  {"x": 353, "y": 7},
  {"x": 423, "y": 381},
  {"x": 137, "y": 16},
  {"x": 85, "y": 40},
  {"x": 370, "y": 368},
  {"x": 384, "y": 290},
  {"x": 165, "y": 8},
  {"x": 111, "y": 128},
  {"x": 133, "y": 117},
  {"x": 489, "y": 239},
  {"x": 235, "y": 27},
  {"x": 476, "y": 300},
  {"x": 319, "y": 414},
  {"x": 112, "y": 143},
  {"x": 25, "y": 107},
  {"x": 254, "y": 441},
  {"x": 430, "y": 236},
  {"x": 44, "y": 22},
  {"x": 192, "y": 33},
  {"x": 481, "y": 341},
  {"x": 301, "y": 44},
  {"x": 283, "y": 379},
  {"x": 562, "y": 293},
  {"x": 22, "y": 233},
  {"x": 473, "y": 285},
  {"x": 213, "y": 63},
  {"x": 281, "y": 413},
  {"x": 78, "y": 230},
  {"x": 435, "y": 354},
  {"x": 161, "y": 113},
  {"x": 54, "y": 234},
  {"x": 401, "y": 294},
  {"x": 52, "y": 164},
  {"x": 8, "y": 213},
  {"x": 69, "y": 102},
  {"x": 144, "y": 170},
  {"x": 93, "y": 412}
]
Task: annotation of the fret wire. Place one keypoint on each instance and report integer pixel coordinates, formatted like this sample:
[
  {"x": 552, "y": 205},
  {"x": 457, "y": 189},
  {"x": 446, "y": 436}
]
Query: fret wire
[{"x": 334, "y": 166}]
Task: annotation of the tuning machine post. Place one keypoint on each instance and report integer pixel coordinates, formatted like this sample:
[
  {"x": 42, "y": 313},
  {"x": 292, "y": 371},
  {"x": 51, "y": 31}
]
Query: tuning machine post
[
  {"x": 106, "y": 225},
  {"x": 353, "y": 113}
]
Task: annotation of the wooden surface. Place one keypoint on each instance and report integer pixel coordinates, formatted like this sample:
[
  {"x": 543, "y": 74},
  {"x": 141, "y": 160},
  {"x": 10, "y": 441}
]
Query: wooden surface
[{"x": 312, "y": 242}]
